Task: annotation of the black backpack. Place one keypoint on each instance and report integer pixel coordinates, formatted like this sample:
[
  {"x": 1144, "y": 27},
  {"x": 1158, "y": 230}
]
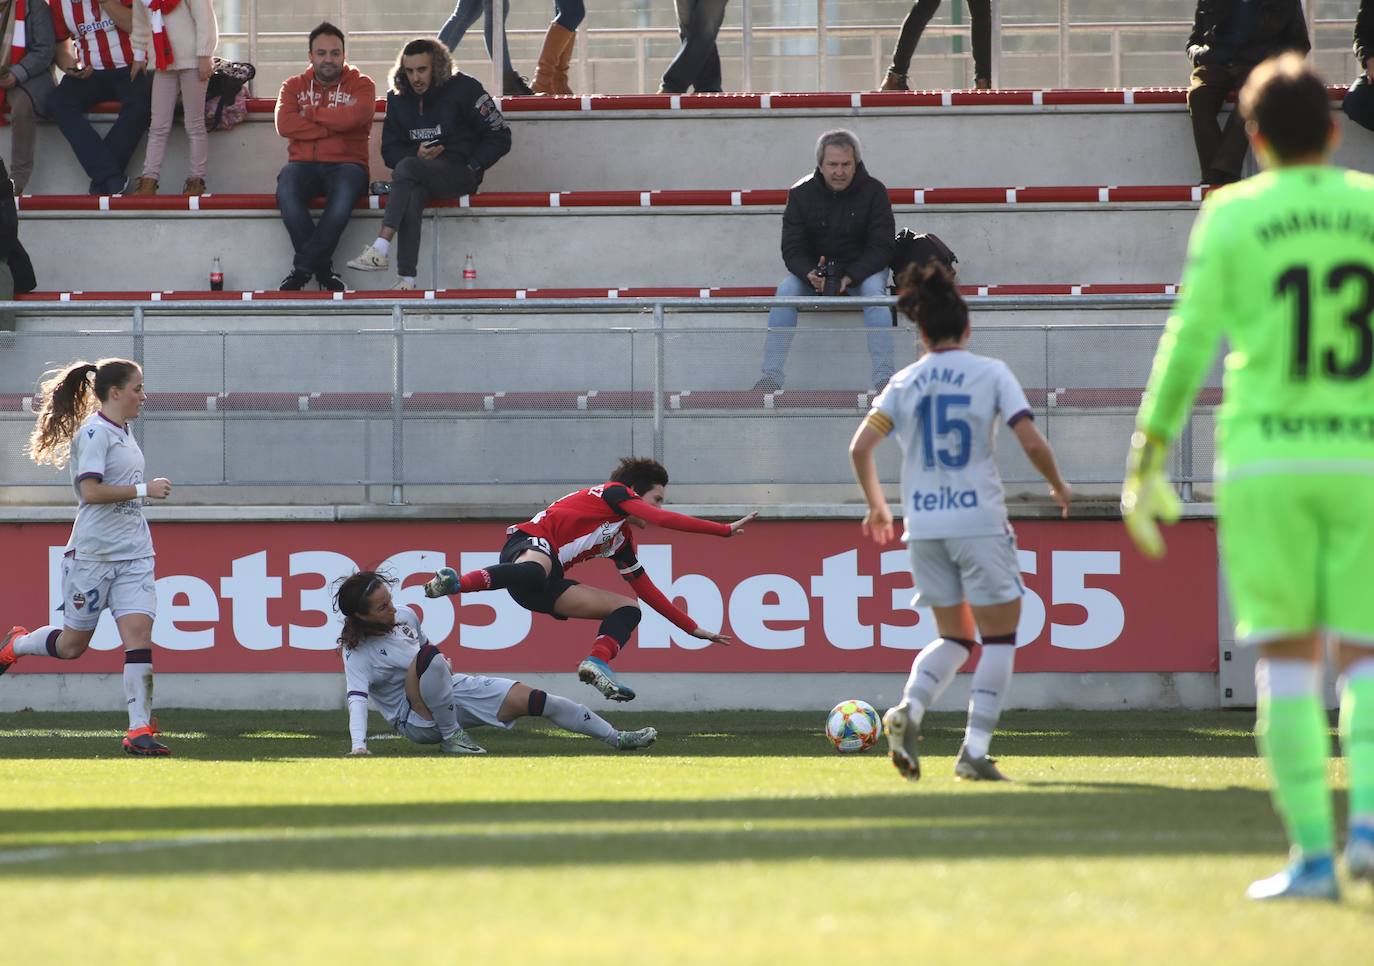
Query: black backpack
[
  {"x": 227, "y": 78},
  {"x": 920, "y": 250}
]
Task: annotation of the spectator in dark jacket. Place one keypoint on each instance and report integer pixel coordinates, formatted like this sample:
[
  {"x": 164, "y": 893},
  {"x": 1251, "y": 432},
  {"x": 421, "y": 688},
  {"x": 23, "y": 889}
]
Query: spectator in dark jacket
[
  {"x": 25, "y": 78},
  {"x": 1359, "y": 100},
  {"x": 1229, "y": 38},
  {"x": 442, "y": 132},
  {"x": 838, "y": 224}
]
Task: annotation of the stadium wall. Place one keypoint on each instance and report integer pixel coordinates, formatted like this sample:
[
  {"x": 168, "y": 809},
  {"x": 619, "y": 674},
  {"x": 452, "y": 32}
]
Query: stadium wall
[{"x": 818, "y": 614}]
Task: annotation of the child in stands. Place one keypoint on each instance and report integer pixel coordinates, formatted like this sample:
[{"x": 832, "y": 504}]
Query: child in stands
[{"x": 175, "y": 39}]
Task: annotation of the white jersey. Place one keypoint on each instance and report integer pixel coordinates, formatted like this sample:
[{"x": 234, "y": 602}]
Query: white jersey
[
  {"x": 105, "y": 451},
  {"x": 944, "y": 409},
  {"x": 376, "y": 668}
]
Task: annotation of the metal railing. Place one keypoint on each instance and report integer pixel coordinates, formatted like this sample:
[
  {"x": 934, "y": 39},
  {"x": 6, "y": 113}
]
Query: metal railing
[
  {"x": 745, "y": 33},
  {"x": 647, "y": 371}
]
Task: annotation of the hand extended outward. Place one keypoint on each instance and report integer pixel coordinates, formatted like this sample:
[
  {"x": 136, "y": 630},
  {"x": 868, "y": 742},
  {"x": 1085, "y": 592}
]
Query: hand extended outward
[
  {"x": 1147, "y": 498},
  {"x": 714, "y": 638},
  {"x": 738, "y": 526}
]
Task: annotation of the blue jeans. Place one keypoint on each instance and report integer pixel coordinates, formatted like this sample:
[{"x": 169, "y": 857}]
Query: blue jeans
[
  {"x": 465, "y": 15},
  {"x": 782, "y": 325},
  {"x": 697, "y": 63},
  {"x": 342, "y": 184},
  {"x": 103, "y": 158},
  {"x": 569, "y": 13}
]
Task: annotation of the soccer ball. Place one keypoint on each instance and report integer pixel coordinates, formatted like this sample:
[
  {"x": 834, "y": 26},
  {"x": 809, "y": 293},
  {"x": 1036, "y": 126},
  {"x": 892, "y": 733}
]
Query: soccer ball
[{"x": 853, "y": 725}]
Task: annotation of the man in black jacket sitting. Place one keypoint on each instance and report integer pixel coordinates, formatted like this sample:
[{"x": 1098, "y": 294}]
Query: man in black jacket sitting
[
  {"x": 442, "y": 132},
  {"x": 837, "y": 229},
  {"x": 1229, "y": 38}
]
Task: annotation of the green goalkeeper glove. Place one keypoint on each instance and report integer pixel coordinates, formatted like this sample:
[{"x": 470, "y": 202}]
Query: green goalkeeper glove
[{"x": 1147, "y": 496}]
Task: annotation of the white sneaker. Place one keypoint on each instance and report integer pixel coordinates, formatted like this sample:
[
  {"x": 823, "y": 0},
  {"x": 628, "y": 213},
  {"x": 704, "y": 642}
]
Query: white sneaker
[
  {"x": 401, "y": 285},
  {"x": 370, "y": 260},
  {"x": 635, "y": 740},
  {"x": 459, "y": 743}
]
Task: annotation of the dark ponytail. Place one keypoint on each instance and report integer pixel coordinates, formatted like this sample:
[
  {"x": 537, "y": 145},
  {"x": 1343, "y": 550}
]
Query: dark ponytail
[
  {"x": 928, "y": 296},
  {"x": 350, "y": 600},
  {"x": 68, "y": 396}
]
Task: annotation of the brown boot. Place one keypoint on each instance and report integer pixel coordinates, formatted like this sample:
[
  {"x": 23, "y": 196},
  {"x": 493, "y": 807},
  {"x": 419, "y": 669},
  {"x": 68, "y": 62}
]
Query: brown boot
[
  {"x": 894, "y": 81},
  {"x": 560, "y": 78},
  {"x": 545, "y": 75},
  {"x": 193, "y": 186},
  {"x": 145, "y": 186}
]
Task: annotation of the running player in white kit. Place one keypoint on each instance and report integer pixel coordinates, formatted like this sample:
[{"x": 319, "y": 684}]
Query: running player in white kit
[
  {"x": 944, "y": 409},
  {"x": 389, "y": 661},
  {"x": 109, "y": 560}
]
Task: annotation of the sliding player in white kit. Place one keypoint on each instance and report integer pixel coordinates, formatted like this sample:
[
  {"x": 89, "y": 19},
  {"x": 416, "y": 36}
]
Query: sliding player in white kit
[
  {"x": 944, "y": 409},
  {"x": 389, "y": 661},
  {"x": 109, "y": 560}
]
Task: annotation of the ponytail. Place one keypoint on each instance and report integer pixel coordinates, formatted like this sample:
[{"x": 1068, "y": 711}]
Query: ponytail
[
  {"x": 68, "y": 396},
  {"x": 929, "y": 297}
]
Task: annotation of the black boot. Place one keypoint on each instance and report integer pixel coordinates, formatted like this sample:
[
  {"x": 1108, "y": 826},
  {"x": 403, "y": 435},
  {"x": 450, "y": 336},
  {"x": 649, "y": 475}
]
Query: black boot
[{"x": 513, "y": 85}]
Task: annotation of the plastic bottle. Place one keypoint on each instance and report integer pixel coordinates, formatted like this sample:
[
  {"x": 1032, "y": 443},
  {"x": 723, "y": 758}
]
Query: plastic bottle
[
  {"x": 469, "y": 273},
  {"x": 216, "y": 276}
]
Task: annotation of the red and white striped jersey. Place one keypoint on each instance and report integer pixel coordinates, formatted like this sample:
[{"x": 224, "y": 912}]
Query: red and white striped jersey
[
  {"x": 584, "y": 524},
  {"x": 101, "y": 44}
]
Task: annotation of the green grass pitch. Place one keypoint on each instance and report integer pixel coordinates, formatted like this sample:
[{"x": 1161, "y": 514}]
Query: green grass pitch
[{"x": 1128, "y": 837}]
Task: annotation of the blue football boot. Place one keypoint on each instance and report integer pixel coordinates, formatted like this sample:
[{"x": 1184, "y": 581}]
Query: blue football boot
[
  {"x": 1302, "y": 878},
  {"x": 443, "y": 584},
  {"x": 599, "y": 675}
]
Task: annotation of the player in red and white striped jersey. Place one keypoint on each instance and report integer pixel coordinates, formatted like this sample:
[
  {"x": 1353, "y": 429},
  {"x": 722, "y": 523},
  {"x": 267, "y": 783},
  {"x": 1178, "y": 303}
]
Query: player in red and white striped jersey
[
  {"x": 95, "y": 53},
  {"x": 582, "y": 525}
]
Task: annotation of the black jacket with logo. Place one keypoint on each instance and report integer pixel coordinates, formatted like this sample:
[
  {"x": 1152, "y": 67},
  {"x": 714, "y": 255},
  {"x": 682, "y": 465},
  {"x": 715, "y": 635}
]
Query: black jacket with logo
[
  {"x": 1279, "y": 26},
  {"x": 853, "y": 228},
  {"x": 460, "y": 114}
]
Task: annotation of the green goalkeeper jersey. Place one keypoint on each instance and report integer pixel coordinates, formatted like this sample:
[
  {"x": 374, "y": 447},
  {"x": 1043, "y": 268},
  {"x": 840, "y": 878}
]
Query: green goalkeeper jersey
[{"x": 1282, "y": 266}]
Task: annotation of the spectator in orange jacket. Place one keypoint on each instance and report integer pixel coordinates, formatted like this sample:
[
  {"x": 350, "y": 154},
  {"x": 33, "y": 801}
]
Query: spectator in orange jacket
[{"x": 326, "y": 116}]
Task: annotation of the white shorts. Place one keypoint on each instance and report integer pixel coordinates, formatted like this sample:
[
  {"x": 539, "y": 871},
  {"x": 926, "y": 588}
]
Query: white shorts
[
  {"x": 981, "y": 570},
  {"x": 120, "y": 586},
  {"x": 478, "y": 699}
]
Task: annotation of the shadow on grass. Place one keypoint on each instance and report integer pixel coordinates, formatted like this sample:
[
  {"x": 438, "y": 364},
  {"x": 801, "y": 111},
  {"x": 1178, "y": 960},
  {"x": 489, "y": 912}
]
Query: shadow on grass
[
  {"x": 261, "y": 736},
  {"x": 913, "y": 823}
]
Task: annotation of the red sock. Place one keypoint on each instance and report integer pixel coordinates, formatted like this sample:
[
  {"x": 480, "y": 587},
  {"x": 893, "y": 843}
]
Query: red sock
[
  {"x": 605, "y": 647},
  {"x": 474, "y": 580}
]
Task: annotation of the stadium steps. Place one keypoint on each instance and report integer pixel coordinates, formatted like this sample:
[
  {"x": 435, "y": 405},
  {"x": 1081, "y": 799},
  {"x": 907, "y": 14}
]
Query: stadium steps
[
  {"x": 939, "y": 138},
  {"x": 1094, "y": 234}
]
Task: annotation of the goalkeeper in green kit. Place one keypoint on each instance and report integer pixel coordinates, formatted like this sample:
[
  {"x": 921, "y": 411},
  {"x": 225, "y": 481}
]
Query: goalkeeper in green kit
[{"x": 1282, "y": 266}]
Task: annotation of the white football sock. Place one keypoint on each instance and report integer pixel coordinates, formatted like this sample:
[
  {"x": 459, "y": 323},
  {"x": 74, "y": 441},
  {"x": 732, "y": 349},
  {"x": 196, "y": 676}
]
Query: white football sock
[
  {"x": 991, "y": 681},
  {"x": 35, "y": 643},
  {"x": 436, "y": 688},
  {"x": 571, "y": 716},
  {"x": 138, "y": 687},
  {"x": 931, "y": 672},
  {"x": 382, "y": 245}
]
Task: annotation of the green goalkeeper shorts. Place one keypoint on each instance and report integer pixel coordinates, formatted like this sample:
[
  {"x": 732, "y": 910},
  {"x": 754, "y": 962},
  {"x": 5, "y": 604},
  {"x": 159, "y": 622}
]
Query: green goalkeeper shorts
[{"x": 1298, "y": 550}]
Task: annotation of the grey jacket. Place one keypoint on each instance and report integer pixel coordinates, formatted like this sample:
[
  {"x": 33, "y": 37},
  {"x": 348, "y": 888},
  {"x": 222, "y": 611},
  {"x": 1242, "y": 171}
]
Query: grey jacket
[{"x": 34, "y": 70}]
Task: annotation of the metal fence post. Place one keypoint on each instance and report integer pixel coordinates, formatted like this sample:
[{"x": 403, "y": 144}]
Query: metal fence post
[
  {"x": 822, "y": 49},
  {"x": 659, "y": 361},
  {"x": 1185, "y": 460},
  {"x": 137, "y": 328},
  {"x": 1063, "y": 43},
  {"x": 746, "y": 46},
  {"x": 497, "y": 14},
  {"x": 996, "y": 44},
  {"x": 398, "y": 386},
  {"x": 253, "y": 32}
]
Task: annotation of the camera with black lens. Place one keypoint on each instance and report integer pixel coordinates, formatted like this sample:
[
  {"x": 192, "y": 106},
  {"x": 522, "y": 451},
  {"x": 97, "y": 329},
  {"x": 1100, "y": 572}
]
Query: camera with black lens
[{"x": 833, "y": 273}]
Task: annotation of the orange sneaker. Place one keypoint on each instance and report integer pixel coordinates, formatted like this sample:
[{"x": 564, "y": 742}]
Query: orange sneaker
[{"x": 7, "y": 655}]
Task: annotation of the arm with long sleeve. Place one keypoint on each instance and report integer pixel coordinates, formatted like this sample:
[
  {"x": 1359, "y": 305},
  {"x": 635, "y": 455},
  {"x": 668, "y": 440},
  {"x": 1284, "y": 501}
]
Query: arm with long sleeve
[
  {"x": 40, "y": 44},
  {"x": 354, "y": 115},
  {"x": 672, "y": 521},
  {"x": 795, "y": 254},
  {"x": 648, "y": 592},
  {"x": 207, "y": 27},
  {"x": 881, "y": 240},
  {"x": 355, "y": 679},
  {"x": 1296, "y": 37},
  {"x": 290, "y": 124},
  {"x": 1364, "y": 33},
  {"x": 495, "y": 135},
  {"x": 396, "y": 143}
]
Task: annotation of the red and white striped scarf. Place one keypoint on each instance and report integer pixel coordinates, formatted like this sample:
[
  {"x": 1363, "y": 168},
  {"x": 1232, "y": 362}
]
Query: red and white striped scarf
[
  {"x": 18, "y": 47},
  {"x": 162, "y": 44}
]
